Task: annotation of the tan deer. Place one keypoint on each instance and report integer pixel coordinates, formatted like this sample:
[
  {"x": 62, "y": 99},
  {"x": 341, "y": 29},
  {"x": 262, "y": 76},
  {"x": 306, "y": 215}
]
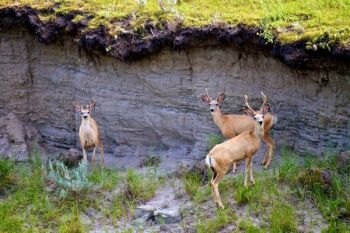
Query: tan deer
[
  {"x": 88, "y": 132},
  {"x": 233, "y": 125},
  {"x": 243, "y": 146}
]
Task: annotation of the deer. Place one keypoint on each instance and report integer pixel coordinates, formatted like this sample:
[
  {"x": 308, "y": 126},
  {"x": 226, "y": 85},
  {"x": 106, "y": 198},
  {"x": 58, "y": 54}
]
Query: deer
[
  {"x": 88, "y": 132},
  {"x": 233, "y": 125},
  {"x": 242, "y": 147}
]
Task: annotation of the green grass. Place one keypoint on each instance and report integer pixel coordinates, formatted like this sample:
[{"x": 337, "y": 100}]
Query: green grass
[
  {"x": 274, "y": 196},
  {"x": 213, "y": 140},
  {"x": 7, "y": 175},
  {"x": 282, "y": 20},
  {"x": 136, "y": 188},
  {"x": 222, "y": 218},
  {"x": 33, "y": 207}
]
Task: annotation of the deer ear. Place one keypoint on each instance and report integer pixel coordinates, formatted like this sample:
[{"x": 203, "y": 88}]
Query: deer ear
[
  {"x": 77, "y": 106},
  {"x": 248, "y": 112},
  {"x": 205, "y": 98},
  {"x": 92, "y": 104},
  {"x": 266, "y": 108},
  {"x": 221, "y": 97}
]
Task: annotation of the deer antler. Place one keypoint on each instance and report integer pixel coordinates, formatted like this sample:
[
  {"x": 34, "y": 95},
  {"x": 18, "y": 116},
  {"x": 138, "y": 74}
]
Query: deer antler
[
  {"x": 246, "y": 103},
  {"x": 265, "y": 101},
  {"x": 206, "y": 91}
]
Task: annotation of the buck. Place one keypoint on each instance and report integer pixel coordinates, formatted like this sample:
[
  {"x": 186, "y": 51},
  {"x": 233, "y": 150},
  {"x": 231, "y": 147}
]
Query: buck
[
  {"x": 88, "y": 132},
  {"x": 243, "y": 146},
  {"x": 233, "y": 125}
]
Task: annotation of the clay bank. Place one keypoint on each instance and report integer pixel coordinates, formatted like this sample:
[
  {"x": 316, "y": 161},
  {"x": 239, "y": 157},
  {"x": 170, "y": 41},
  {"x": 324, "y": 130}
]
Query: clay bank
[{"x": 148, "y": 91}]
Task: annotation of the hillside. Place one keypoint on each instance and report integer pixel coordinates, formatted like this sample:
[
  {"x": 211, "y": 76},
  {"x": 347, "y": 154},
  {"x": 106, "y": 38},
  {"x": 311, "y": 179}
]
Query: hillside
[{"x": 294, "y": 31}]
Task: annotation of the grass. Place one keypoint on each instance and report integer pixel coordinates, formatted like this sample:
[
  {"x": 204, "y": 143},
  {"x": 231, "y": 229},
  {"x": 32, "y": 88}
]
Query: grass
[
  {"x": 34, "y": 205},
  {"x": 136, "y": 188},
  {"x": 274, "y": 197},
  {"x": 282, "y": 20},
  {"x": 222, "y": 218}
]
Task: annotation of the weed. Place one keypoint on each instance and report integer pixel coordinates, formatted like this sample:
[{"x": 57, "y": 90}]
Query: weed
[
  {"x": 106, "y": 178},
  {"x": 68, "y": 181},
  {"x": 213, "y": 140},
  {"x": 282, "y": 218},
  {"x": 7, "y": 174},
  {"x": 222, "y": 218},
  {"x": 247, "y": 227}
]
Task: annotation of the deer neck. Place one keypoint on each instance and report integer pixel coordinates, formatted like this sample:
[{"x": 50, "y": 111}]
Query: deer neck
[
  {"x": 218, "y": 118},
  {"x": 258, "y": 130},
  {"x": 86, "y": 123}
]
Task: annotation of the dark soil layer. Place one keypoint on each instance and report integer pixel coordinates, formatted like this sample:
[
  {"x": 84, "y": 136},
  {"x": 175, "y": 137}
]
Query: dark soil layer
[{"x": 132, "y": 46}]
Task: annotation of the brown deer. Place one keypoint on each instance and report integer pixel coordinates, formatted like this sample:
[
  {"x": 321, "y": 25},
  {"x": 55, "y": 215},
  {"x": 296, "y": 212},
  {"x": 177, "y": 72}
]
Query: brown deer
[
  {"x": 233, "y": 125},
  {"x": 243, "y": 146},
  {"x": 88, "y": 132}
]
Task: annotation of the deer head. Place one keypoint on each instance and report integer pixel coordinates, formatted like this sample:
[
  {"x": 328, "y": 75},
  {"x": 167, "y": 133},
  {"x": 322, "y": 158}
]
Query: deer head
[
  {"x": 257, "y": 115},
  {"x": 214, "y": 105},
  {"x": 85, "y": 111}
]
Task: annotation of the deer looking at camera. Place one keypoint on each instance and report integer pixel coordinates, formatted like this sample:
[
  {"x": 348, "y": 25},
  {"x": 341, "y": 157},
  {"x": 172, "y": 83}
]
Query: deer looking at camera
[
  {"x": 243, "y": 146},
  {"x": 88, "y": 132},
  {"x": 233, "y": 125}
]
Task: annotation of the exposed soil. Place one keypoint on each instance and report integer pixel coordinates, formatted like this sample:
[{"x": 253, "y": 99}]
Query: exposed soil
[{"x": 130, "y": 46}]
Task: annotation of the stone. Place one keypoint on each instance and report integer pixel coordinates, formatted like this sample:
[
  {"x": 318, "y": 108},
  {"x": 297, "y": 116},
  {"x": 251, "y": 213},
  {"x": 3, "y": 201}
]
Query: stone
[
  {"x": 154, "y": 103},
  {"x": 71, "y": 158},
  {"x": 166, "y": 216}
]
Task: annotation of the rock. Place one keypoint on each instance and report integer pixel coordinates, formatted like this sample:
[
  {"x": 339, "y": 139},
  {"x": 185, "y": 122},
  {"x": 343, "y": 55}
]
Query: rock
[
  {"x": 145, "y": 212},
  {"x": 344, "y": 158},
  {"x": 71, "y": 158},
  {"x": 316, "y": 176},
  {"x": 155, "y": 103},
  {"x": 166, "y": 216},
  {"x": 17, "y": 139}
]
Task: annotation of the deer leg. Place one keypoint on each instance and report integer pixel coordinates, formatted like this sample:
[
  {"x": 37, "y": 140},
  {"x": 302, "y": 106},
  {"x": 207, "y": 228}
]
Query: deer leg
[
  {"x": 234, "y": 167},
  {"x": 211, "y": 186},
  {"x": 269, "y": 151},
  {"x": 251, "y": 178},
  {"x": 246, "y": 171},
  {"x": 94, "y": 156},
  {"x": 84, "y": 155},
  {"x": 215, "y": 185},
  {"x": 102, "y": 155}
]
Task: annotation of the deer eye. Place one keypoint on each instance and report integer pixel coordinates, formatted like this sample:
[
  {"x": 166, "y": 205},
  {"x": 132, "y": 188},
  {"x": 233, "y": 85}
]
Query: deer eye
[
  {"x": 88, "y": 112},
  {"x": 217, "y": 104},
  {"x": 81, "y": 113},
  {"x": 254, "y": 118}
]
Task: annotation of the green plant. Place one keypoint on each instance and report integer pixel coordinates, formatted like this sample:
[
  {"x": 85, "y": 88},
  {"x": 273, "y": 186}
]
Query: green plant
[
  {"x": 223, "y": 217},
  {"x": 267, "y": 34},
  {"x": 213, "y": 140},
  {"x": 73, "y": 180},
  {"x": 105, "y": 178},
  {"x": 70, "y": 223},
  {"x": 7, "y": 174},
  {"x": 247, "y": 227},
  {"x": 282, "y": 218}
]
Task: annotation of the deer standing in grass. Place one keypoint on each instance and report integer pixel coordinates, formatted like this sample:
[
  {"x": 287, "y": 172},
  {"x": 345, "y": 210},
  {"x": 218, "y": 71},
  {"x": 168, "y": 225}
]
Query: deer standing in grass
[
  {"x": 233, "y": 125},
  {"x": 243, "y": 146},
  {"x": 88, "y": 132}
]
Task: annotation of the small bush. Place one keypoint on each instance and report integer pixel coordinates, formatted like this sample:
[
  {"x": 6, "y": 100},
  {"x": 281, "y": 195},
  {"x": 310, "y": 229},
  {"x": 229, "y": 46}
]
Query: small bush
[
  {"x": 213, "y": 140},
  {"x": 282, "y": 219},
  {"x": 70, "y": 223},
  {"x": 73, "y": 180},
  {"x": 107, "y": 179},
  {"x": 7, "y": 174},
  {"x": 222, "y": 219}
]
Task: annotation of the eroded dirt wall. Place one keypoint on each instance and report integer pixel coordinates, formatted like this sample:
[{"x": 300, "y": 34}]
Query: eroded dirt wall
[{"x": 154, "y": 103}]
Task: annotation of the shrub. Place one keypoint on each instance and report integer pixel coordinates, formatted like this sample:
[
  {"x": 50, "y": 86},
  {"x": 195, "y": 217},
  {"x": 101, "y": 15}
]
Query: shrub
[
  {"x": 213, "y": 140},
  {"x": 7, "y": 174},
  {"x": 73, "y": 180}
]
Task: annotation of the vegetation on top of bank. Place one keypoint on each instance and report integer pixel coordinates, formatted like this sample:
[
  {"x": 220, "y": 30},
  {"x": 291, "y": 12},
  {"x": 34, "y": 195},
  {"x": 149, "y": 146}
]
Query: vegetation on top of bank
[{"x": 323, "y": 23}]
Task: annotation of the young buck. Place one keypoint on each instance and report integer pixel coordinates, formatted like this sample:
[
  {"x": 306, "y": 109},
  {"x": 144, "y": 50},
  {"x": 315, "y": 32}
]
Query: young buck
[
  {"x": 233, "y": 125},
  {"x": 88, "y": 132},
  {"x": 243, "y": 146}
]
